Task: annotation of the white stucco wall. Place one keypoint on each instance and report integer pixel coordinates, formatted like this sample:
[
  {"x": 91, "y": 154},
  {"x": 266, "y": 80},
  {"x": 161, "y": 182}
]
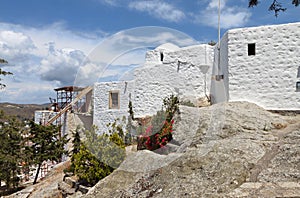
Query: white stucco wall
[
  {"x": 102, "y": 115},
  {"x": 42, "y": 117},
  {"x": 269, "y": 77},
  {"x": 219, "y": 90},
  {"x": 182, "y": 72}
]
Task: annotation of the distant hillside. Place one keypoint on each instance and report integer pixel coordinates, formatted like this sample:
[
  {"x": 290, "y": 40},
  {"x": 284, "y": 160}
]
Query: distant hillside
[{"x": 21, "y": 111}]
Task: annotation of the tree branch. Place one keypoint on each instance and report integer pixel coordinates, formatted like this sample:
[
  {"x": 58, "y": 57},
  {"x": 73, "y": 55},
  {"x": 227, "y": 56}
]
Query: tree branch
[{"x": 275, "y": 6}]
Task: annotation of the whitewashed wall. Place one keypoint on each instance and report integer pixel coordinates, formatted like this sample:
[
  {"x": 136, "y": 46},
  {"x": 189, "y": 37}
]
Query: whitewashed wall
[
  {"x": 184, "y": 72},
  {"x": 269, "y": 77},
  {"x": 102, "y": 115},
  {"x": 219, "y": 90},
  {"x": 42, "y": 117}
]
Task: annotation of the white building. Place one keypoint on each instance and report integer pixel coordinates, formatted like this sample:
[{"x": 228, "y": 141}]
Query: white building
[
  {"x": 259, "y": 65},
  {"x": 168, "y": 70}
]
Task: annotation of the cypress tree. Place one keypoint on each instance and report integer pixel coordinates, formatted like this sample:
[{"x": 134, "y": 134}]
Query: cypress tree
[
  {"x": 10, "y": 150},
  {"x": 47, "y": 144}
]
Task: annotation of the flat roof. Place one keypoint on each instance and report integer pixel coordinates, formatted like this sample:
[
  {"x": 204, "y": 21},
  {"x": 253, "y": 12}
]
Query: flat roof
[{"x": 69, "y": 88}]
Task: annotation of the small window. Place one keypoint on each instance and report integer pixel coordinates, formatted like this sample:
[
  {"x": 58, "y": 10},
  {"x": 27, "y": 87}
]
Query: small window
[
  {"x": 298, "y": 86},
  {"x": 251, "y": 49},
  {"x": 161, "y": 57},
  {"x": 298, "y": 75},
  {"x": 114, "y": 100},
  {"x": 219, "y": 77}
]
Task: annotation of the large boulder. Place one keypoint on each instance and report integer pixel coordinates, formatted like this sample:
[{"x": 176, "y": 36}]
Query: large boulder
[
  {"x": 232, "y": 149},
  {"x": 226, "y": 150}
]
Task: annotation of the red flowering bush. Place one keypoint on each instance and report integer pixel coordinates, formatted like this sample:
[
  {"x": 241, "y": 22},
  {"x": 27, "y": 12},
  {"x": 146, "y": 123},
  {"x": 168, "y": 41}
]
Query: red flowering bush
[{"x": 159, "y": 132}]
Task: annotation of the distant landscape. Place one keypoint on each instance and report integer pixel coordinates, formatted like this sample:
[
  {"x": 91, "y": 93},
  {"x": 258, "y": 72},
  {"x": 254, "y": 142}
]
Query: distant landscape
[{"x": 22, "y": 111}]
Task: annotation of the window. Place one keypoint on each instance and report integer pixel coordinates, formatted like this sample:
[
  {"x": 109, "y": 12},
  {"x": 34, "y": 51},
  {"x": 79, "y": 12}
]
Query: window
[
  {"x": 298, "y": 86},
  {"x": 298, "y": 75},
  {"x": 251, "y": 49},
  {"x": 219, "y": 77},
  {"x": 114, "y": 100},
  {"x": 161, "y": 57}
]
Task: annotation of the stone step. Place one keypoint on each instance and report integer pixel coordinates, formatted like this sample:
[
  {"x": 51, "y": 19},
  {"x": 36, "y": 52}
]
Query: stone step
[
  {"x": 83, "y": 189},
  {"x": 65, "y": 188},
  {"x": 71, "y": 182},
  {"x": 70, "y": 186}
]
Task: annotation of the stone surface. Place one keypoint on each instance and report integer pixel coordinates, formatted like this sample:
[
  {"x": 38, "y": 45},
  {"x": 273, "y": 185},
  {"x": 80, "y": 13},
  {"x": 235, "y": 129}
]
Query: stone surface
[
  {"x": 225, "y": 150},
  {"x": 234, "y": 149},
  {"x": 46, "y": 188}
]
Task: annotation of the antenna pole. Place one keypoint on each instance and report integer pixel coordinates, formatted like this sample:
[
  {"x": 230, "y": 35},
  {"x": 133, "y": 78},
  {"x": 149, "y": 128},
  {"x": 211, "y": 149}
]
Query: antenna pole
[{"x": 219, "y": 31}]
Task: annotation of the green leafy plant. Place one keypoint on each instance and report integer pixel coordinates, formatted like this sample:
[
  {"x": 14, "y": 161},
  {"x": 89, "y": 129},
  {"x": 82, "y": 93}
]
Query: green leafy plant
[
  {"x": 98, "y": 154},
  {"x": 88, "y": 167}
]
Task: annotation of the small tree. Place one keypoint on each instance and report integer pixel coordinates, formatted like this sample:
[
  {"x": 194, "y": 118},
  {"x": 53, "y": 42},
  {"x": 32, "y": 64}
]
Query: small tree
[
  {"x": 98, "y": 155},
  {"x": 10, "y": 150},
  {"x": 108, "y": 147},
  {"x": 47, "y": 143},
  {"x": 88, "y": 167},
  {"x": 76, "y": 143}
]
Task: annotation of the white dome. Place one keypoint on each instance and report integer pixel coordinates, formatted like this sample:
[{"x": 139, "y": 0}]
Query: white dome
[{"x": 168, "y": 47}]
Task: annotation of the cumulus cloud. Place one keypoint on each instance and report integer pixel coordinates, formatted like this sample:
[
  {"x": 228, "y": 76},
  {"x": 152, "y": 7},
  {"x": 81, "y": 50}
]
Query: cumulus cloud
[
  {"x": 41, "y": 59},
  {"x": 158, "y": 9},
  {"x": 232, "y": 16},
  {"x": 15, "y": 45},
  {"x": 53, "y": 56},
  {"x": 61, "y": 65}
]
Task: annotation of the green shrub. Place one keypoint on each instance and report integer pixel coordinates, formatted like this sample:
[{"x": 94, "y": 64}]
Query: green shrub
[
  {"x": 98, "y": 155},
  {"x": 88, "y": 167}
]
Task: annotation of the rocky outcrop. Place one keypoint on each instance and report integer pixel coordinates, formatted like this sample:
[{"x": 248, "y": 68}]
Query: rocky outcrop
[
  {"x": 226, "y": 150},
  {"x": 46, "y": 187}
]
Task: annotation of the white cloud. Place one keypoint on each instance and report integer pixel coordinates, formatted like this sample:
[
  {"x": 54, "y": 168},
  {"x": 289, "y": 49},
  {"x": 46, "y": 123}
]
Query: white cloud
[
  {"x": 52, "y": 56},
  {"x": 39, "y": 65},
  {"x": 110, "y": 2},
  {"x": 15, "y": 45},
  {"x": 61, "y": 65},
  {"x": 27, "y": 93},
  {"x": 214, "y": 4},
  {"x": 158, "y": 9},
  {"x": 233, "y": 16}
]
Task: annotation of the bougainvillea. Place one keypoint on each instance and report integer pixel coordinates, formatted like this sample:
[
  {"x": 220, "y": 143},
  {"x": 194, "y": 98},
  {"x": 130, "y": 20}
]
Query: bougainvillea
[
  {"x": 159, "y": 132},
  {"x": 160, "y": 139}
]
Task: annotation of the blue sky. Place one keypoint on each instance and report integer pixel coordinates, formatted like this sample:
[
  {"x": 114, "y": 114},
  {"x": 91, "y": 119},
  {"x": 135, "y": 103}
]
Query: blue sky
[{"x": 53, "y": 43}]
